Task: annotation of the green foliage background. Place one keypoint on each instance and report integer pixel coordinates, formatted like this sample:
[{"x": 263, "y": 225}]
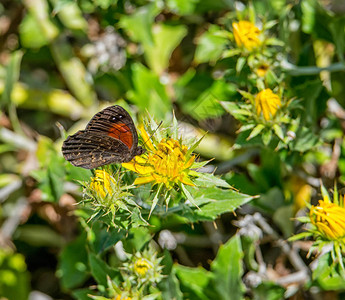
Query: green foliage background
[{"x": 61, "y": 61}]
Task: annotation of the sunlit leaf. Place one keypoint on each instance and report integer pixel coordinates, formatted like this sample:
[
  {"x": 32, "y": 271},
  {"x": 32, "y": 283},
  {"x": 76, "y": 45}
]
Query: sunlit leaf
[
  {"x": 228, "y": 270},
  {"x": 210, "y": 46},
  {"x": 73, "y": 263}
]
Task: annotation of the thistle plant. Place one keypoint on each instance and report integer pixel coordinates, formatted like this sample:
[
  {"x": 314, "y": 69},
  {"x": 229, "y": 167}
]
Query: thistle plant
[{"x": 326, "y": 222}]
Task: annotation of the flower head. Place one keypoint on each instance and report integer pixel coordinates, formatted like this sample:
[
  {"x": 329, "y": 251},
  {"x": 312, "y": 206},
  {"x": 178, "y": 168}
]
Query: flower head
[
  {"x": 262, "y": 69},
  {"x": 268, "y": 103},
  {"x": 329, "y": 219},
  {"x": 246, "y": 35},
  {"x": 167, "y": 162},
  {"x": 144, "y": 267},
  {"x": 102, "y": 184},
  {"x": 119, "y": 297},
  {"x": 107, "y": 195},
  {"x": 298, "y": 190}
]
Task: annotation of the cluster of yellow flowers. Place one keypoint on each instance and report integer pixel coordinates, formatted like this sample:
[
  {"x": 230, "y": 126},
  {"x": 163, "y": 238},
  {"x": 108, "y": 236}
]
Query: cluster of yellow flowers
[
  {"x": 168, "y": 163},
  {"x": 327, "y": 217},
  {"x": 248, "y": 37}
]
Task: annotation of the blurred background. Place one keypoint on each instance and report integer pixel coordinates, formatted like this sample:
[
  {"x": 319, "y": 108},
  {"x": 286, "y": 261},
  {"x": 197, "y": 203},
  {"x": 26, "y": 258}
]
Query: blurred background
[{"x": 61, "y": 61}]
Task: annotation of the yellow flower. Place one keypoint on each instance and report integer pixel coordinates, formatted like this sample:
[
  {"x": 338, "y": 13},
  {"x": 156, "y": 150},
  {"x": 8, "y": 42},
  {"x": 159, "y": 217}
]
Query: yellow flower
[
  {"x": 262, "y": 70},
  {"x": 329, "y": 219},
  {"x": 166, "y": 162},
  {"x": 246, "y": 35},
  {"x": 145, "y": 267},
  {"x": 268, "y": 103},
  {"x": 102, "y": 183},
  {"x": 141, "y": 266},
  {"x": 301, "y": 192},
  {"x": 119, "y": 297}
]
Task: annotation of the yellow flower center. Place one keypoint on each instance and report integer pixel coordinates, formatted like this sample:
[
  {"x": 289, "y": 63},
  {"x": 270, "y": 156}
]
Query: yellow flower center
[
  {"x": 169, "y": 159},
  {"x": 268, "y": 103},
  {"x": 262, "y": 70},
  {"x": 329, "y": 218},
  {"x": 246, "y": 35},
  {"x": 101, "y": 184},
  {"x": 141, "y": 266},
  {"x": 119, "y": 297},
  {"x": 167, "y": 163}
]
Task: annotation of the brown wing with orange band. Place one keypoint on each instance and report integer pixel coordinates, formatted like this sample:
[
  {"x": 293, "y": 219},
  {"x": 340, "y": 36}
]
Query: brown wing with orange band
[
  {"x": 109, "y": 137},
  {"x": 88, "y": 149},
  {"x": 115, "y": 122}
]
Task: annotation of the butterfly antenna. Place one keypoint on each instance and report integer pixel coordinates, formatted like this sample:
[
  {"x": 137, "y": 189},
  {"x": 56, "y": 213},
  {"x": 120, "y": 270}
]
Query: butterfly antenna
[{"x": 159, "y": 125}]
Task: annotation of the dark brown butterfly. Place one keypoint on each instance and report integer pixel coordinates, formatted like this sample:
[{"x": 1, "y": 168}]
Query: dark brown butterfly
[{"x": 109, "y": 137}]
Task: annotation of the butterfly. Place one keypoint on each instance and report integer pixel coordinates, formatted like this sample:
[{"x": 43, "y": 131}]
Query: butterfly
[{"x": 109, "y": 137}]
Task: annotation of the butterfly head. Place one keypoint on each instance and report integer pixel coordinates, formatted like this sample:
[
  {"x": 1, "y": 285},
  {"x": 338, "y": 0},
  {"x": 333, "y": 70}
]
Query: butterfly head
[{"x": 140, "y": 150}]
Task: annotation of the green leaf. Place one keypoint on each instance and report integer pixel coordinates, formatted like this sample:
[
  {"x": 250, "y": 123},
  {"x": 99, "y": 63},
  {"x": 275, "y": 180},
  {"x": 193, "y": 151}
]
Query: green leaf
[
  {"x": 188, "y": 195},
  {"x": 38, "y": 29},
  {"x": 327, "y": 274},
  {"x": 70, "y": 14},
  {"x": 149, "y": 94},
  {"x": 12, "y": 76},
  {"x": 228, "y": 270},
  {"x": 209, "y": 180},
  {"x": 215, "y": 201},
  {"x": 210, "y": 46},
  {"x": 51, "y": 171},
  {"x": 324, "y": 192},
  {"x": 56, "y": 172},
  {"x": 77, "y": 174},
  {"x": 14, "y": 277},
  {"x": 283, "y": 218},
  {"x": 266, "y": 137},
  {"x": 269, "y": 291},
  {"x": 305, "y": 140},
  {"x": 299, "y": 236},
  {"x": 104, "y": 238},
  {"x": 165, "y": 39},
  {"x": 39, "y": 236},
  {"x": 182, "y": 7},
  {"x": 241, "y": 61},
  {"x": 194, "y": 280},
  {"x": 170, "y": 287},
  {"x": 139, "y": 25},
  {"x": 73, "y": 269},
  {"x": 308, "y": 15},
  {"x": 83, "y": 294},
  {"x": 206, "y": 105},
  {"x": 242, "y": 141},
  {"x": 100, "y": 270},
  {"x": 137, "y": 239},
  {"x": 257, "y": 129},
  {"x": 73, "y": 71},
  {"x": 246, "y": 95},
  {"x": 246, "y": 127},
  {"x": 278, "y": 131},
  {"x": 231, "y": 53},
  {"x": 338, "y": 33},
  {"x": 236, "y": 110}
]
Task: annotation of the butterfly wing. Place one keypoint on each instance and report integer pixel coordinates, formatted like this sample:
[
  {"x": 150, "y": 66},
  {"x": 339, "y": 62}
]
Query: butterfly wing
[
  {"x": 89, "y": 149},
  {"x": 115, "y": 121}
]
